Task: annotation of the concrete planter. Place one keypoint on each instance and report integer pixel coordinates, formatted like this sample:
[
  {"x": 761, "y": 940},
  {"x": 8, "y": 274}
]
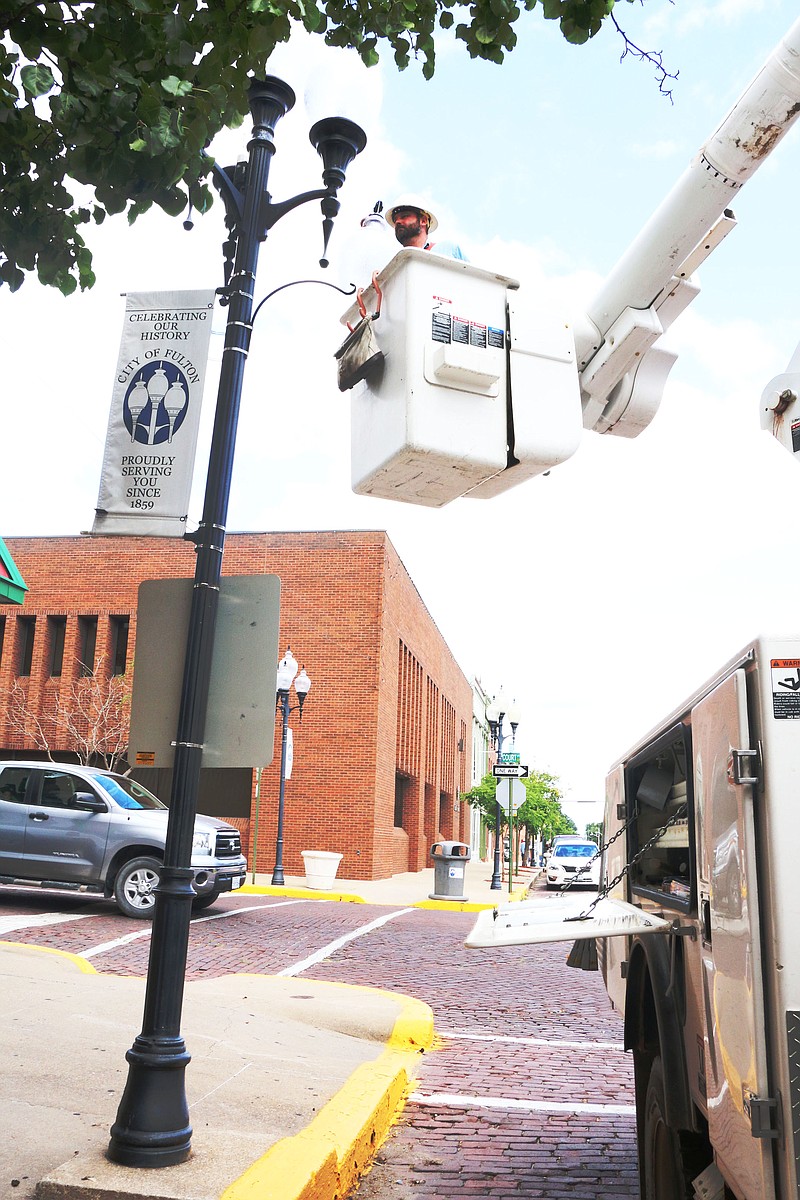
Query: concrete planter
[{"x": 321, "y": 867}]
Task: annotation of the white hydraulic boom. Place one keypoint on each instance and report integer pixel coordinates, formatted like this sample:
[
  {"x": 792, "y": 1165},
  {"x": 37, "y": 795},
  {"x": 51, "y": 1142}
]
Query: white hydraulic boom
[
  {"x": 473, "y": 390},
  {"x": 651, "y": 284}
]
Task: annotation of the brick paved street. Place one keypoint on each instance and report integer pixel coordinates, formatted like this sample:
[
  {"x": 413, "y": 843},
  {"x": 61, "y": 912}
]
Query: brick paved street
[
  {"x": 528, "y": 1092},
  {"x": 528, "y": 1003}
]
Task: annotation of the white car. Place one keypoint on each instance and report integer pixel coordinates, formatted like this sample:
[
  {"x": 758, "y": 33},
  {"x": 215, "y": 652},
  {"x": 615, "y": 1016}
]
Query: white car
[{"x": 575, "y": 862}]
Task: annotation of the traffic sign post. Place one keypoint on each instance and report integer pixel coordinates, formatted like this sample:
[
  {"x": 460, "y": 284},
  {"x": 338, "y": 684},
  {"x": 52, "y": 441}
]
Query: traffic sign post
[{"x": 511, "y": 795}]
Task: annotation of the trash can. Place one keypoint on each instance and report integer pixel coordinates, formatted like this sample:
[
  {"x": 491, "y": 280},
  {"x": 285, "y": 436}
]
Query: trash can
[
  {"x": 321, "y": 867},
  {"x": 449, "y": 860}
]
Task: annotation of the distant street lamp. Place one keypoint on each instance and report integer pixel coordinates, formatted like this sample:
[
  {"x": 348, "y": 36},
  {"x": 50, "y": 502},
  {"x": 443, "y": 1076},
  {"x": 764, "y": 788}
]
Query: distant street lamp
[
  {"x": 495, "y": 715},
  {"x": 287, "y": 674}
]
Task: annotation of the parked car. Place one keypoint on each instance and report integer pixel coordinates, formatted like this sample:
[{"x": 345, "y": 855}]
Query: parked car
[
  {"x": 573, "y": 859},
  {"x": 91, "y": 830},
  {"x": 557, "y": 840}
]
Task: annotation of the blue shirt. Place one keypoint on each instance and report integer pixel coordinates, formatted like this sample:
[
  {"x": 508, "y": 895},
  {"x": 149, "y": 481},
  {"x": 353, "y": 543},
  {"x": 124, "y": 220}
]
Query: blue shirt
[{"x": 447, "y": 250}]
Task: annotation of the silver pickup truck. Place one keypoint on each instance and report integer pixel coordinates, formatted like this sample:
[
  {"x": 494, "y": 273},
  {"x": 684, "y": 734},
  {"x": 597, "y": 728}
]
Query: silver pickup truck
[{"x": 85, "y": 829}]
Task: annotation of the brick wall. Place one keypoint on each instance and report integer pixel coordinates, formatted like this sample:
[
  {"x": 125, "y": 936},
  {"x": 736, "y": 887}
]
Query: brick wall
[{"x": 347, "y": 605}]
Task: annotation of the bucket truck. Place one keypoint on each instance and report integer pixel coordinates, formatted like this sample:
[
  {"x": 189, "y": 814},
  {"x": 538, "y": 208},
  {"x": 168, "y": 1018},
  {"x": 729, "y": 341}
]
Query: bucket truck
[
  {"x": 696, "y": 918},
  {"x": 472, "y": 390}
]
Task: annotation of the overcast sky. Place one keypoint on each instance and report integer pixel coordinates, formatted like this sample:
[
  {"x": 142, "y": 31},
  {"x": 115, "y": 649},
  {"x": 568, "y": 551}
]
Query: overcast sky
[{"x": 602, "y": 595}]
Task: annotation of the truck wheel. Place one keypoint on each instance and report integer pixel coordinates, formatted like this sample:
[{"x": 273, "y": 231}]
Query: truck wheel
[
  {"x": 671, "y": 1159},
  {"x": 207, "y": 899},
  {"x": 133, "y": 887}
]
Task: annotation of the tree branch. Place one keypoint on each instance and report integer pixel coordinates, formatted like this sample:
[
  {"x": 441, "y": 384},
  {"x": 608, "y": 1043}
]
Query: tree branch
[{"x": 651, "y": 56}]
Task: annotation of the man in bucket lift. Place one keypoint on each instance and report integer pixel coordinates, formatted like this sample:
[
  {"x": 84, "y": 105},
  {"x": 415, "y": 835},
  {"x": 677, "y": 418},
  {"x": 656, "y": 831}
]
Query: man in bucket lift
[
  {"x": 413, "y": 226},
  {"x": 359, "y": 355}
]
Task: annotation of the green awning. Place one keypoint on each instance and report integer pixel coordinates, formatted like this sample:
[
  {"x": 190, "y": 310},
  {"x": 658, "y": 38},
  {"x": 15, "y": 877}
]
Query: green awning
[{"x": 12, "y": 585}]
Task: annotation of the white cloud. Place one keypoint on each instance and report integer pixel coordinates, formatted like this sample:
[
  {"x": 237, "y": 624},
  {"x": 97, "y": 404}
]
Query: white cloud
[
  {"x": 659, "y": 150},
  {"x": 703, "y": 15}
]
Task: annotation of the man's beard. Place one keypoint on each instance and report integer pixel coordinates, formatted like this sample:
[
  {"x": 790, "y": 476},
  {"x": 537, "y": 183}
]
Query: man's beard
[{"x": 406, "y": 232}]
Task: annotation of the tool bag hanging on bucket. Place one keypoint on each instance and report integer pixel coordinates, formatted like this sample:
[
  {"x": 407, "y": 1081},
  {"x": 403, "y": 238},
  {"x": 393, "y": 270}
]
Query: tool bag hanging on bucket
[{"x": 359, "y": 354}]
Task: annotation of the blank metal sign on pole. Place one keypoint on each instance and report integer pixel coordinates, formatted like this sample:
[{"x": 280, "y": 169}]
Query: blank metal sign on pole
[{"x": 240, "y": 725}]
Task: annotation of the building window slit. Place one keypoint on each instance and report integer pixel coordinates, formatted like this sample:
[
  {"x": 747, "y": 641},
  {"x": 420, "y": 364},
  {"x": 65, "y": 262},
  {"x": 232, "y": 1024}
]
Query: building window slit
[
  {"x": 27, "y": 631},
  {"x": 87, "y": 631},
  {"x": 57, "y": 628}
]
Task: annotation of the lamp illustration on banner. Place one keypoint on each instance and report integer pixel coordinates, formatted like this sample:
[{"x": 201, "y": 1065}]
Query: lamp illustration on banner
[
  {"x": 137, "y": 402},
  {"x": 164, "y": 389}
]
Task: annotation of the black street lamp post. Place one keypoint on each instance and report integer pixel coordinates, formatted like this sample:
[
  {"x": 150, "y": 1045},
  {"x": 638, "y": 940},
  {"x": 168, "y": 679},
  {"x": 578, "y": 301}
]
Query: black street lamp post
[
  {"x": 495, "y": 715},
  {"x": 152, "y": 1127},
  {"x": 287, "y": 673}
]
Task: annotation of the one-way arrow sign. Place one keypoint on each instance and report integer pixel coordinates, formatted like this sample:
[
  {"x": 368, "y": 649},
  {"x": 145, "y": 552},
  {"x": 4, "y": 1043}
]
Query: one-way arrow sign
[{"x": 508, "y": 770}]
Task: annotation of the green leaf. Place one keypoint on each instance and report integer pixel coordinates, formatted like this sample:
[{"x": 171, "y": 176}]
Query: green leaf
[
  {"x": 176, "y": 87},
  {"x": 12, "y": 276},
  {"x": 136, "y": 89},
  {"x": 485, "y": 36},
  {"x": 37, "y": 80}
]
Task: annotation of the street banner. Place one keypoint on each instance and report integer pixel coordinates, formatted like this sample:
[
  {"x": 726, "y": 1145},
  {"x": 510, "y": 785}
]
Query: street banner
[
  {"x": 287, "y": 774},
  {"x": 151, "y": 442}
]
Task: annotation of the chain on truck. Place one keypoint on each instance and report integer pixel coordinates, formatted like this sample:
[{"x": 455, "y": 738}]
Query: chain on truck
[{"x": 468, "y": 390}]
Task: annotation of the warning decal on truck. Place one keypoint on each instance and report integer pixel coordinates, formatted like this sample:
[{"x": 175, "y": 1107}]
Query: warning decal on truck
[
  {"x": 462, "y": 331},
  {"x": 785, "y": 689}
]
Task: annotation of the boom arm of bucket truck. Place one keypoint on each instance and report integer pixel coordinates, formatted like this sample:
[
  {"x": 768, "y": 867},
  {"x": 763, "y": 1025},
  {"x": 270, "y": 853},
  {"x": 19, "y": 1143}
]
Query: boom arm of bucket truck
[
  {"x": 621, "y": 366},
  {"x": 651, "y": 284},
  {"x": 622, "y": 369},
  {"x": 477, "y": 392}
]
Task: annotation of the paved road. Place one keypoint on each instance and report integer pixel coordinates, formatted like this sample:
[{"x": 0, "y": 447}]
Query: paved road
[{"x": 528, "y": 1094}]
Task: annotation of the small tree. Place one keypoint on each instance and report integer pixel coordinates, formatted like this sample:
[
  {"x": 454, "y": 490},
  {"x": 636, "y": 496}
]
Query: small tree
[
  {"x": 594, "y": 832},
  {"x": 541, "y": 814},
  {"x": 90, "y": 717}
]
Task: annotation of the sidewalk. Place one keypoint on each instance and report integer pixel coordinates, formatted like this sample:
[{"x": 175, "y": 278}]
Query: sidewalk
[
  {"x": 292, "y": 1087},
  {"x": 411, "y": 888}
]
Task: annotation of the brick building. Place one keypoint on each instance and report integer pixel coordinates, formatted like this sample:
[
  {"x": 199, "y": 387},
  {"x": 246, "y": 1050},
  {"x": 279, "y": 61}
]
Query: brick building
[{"x": 383, "y": 752}]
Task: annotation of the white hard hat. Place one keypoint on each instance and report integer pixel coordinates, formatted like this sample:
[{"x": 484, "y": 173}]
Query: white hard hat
[{"x": 412, "y": 202}]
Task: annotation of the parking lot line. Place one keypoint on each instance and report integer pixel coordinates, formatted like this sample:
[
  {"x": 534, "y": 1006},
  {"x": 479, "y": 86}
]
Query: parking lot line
[
  {"x": 104, "y": 947},
  {"x": 326, "y": 951},
  {"x": 559, "y": 1043},
  {"x": 10, "y": 924},
  {"x": 461, "y": 1100}
]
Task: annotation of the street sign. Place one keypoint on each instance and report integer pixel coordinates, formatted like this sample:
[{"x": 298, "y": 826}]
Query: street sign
[
  {"x": 240, "y": 727},
  {"x": 510, "y": 771},
  {"x": 512, "y": 790},
  {"x": 509, "y": 756}
]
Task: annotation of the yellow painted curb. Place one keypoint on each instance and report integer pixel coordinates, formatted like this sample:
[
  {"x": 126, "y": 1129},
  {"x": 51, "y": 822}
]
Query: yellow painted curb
[
  {"x": 474, "y": 905},
  {"x": 455, "y": 905},
  {"x": 82, "y": 964},
  {"x": 266, "y": 889},
  {"x": 324, "y": 1161}
]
